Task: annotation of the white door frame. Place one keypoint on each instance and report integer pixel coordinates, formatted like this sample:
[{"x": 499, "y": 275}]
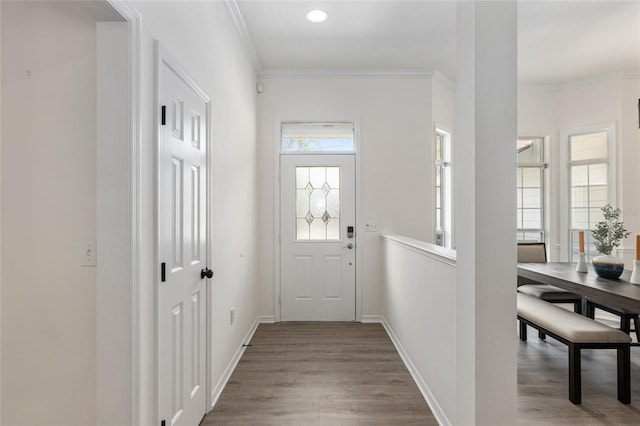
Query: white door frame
[
  {"x": 277, "y": 125},
  {"x": 162, "y": 56},
  {"x": 132, "y": 202}
]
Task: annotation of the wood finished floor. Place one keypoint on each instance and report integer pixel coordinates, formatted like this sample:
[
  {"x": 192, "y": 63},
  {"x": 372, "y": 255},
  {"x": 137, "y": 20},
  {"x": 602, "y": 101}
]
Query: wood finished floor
[
  {"x": 320, "y": 374},
  {"x": 543, "y": 390},
  {"x": 350, "y": 374}
]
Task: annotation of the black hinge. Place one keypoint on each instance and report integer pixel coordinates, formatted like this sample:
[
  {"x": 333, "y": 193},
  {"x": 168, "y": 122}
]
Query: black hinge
[
  {"x": 163, "y": 422},
  {"x": 163, "y": 272},
  {"x": 163, "y": 115}
]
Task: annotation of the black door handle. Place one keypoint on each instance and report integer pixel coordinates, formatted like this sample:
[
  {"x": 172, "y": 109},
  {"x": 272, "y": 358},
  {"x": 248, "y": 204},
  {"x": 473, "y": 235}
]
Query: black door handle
[{"x": 206, "y": 272}]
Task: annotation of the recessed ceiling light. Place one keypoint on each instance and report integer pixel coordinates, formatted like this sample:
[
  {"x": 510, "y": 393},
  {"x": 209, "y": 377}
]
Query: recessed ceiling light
[{"x": 317, "y": 15}]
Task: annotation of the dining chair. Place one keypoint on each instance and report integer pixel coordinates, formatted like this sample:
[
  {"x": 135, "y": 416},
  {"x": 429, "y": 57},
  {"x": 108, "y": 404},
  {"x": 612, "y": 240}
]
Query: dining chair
[{"x": 537, "y": 253}]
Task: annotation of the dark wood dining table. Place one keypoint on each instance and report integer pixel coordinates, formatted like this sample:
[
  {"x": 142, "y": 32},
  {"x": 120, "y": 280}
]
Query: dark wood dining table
[{"x": 618, "y": 293}]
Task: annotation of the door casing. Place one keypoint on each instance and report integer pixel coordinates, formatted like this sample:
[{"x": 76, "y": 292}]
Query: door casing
[{"x": 355, "y": 119}]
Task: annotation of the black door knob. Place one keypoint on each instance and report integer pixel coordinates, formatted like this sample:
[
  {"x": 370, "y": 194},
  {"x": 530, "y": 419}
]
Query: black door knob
[{"x": 206, "y": 272}]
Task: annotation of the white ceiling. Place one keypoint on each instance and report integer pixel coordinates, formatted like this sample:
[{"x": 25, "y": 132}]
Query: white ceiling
[{"x": 558, "y": 41}]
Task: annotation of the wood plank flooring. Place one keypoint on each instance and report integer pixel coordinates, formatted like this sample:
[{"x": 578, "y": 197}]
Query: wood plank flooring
[
  {"x": 350, "y": 374},
  {"x": 543, "y": 390},
  {"x": 320, "y": 374}
]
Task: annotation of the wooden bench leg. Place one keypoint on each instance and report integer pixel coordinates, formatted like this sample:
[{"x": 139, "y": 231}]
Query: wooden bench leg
[
  {"x": 577, "y": 307},
  {"x": 591, "y": 311},
  {"x": 624, "y": 374},
  {"x": 625, "y": 323},
  {"x": 575, "y": 379},
  {"x": 523, "y": 331}
]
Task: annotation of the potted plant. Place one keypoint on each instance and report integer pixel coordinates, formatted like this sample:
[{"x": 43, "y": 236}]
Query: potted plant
[{"x": 607, "y": 235}]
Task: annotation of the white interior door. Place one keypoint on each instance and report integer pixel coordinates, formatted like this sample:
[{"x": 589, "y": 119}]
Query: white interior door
[
  {"x": 182, "y": 251},
  {"x": 317, "y": 223}
]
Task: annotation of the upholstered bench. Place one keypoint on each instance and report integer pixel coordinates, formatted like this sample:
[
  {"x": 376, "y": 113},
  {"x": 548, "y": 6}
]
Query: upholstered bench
[{"x": 577, "y": 332}]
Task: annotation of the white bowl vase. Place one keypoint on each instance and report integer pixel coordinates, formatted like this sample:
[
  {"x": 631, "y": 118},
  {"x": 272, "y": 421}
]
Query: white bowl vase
[{"x": 607, "y": 266}]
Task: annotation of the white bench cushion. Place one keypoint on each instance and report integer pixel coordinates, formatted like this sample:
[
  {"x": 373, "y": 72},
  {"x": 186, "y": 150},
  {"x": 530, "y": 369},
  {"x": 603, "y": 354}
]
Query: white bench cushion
[{"x": 571, "y": 326}]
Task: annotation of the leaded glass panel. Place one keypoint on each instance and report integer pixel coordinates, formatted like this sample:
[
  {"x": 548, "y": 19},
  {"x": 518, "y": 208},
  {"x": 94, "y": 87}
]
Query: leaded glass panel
[{"x": 317, "y": 203}]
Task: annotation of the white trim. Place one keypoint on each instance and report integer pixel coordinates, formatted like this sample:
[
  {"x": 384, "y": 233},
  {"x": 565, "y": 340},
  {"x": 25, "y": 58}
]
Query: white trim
[
  {"x": 266, "y": 319},
  {"x": 624, "y": 74},
  {"x": 593, "y": 80},
  {"x": 132, "y": 17},
  {"x": 272, "y": 73},
  {"x": 446, "y": 182},
  {"x": 243, "y": 34},
  {"x": 233, "y": 363},
  {"x": 372, "y": 319},
  {"x": 441, "y": 254},
  {"x": 162, "y": 56},
  {"x": 545, "y": 183},
  {"x": 278, "y": 120},
  {"x": 445, "y": 81},
  {"x": 428, "y": 396}
]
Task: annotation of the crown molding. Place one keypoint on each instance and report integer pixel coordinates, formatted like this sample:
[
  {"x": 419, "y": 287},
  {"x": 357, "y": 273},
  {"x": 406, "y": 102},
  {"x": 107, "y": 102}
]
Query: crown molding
[
  {"x": 618, "y": 75},
  {"x": 444, "y": 80},
  {"x": 243, "y": 34},
  {"x": 273, "y": 73}
]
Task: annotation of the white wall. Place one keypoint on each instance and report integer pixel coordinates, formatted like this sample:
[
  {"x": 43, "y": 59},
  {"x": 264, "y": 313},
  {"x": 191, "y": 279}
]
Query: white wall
[
  {"x": 629, "y": 158},
  {"x": 48, "y": 206},
  {"x": 113, "y": 316},
  {"x": 418, "y": 304},
  {"x": 0, "y": 215},
  {"x": 444, "y": 101},
  {"x": 555, "y": 111},
  {"x": 49, "y": 198},
  {"x": 486, "y": 127},
  {"x": 201, "y": 36},
  {"x": 396, "y": 150}
]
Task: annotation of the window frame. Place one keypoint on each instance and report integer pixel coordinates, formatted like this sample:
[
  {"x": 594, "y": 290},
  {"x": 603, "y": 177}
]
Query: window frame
[
  {"x": 566, "y": 239},
  {"x": 443, "y": 236},
  {"x": 351, "y": 122},
  {"x": 543, "y": 166}
]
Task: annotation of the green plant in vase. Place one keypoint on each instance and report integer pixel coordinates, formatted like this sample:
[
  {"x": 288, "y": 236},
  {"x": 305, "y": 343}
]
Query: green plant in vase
[{"x": 607, "y": 234}]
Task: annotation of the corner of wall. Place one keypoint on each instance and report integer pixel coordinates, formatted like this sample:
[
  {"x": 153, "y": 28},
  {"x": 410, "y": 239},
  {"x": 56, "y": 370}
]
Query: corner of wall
[{"x": 1, "y": 215}]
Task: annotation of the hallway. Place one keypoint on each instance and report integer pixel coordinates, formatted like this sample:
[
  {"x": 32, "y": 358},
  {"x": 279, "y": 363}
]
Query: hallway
[
  {"x": 297, "y": 373},
  {"x": 321, "y": 374}
]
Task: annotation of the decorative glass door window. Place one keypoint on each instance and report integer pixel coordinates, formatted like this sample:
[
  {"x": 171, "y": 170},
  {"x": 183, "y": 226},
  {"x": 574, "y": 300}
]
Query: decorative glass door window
[{"x": 317, "y": 203}]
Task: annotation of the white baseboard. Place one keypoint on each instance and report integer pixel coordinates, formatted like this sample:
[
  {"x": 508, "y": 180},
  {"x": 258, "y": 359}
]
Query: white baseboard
[
  {"x": 372, "y": 318},
  {"x": 428, "y": 396},
  {"x": 219, "y": 387},
  {"x": 266, "y": 319}
]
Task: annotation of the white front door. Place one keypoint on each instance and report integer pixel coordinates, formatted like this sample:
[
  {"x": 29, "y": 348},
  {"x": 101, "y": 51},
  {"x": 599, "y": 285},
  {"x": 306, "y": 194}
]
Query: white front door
[
  {"x": 317, "y": 223},
  {"x": 182, "y": 251}
]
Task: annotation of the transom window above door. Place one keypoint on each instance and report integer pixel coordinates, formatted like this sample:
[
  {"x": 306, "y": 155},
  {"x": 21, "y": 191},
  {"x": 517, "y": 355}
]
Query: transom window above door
[{"x": 317, "y": 137}]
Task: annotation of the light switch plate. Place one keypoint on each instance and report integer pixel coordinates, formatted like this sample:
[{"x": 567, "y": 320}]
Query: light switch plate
[
  {"x": 370, "y": 227},
  {"x": 88, "y": 252}
]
